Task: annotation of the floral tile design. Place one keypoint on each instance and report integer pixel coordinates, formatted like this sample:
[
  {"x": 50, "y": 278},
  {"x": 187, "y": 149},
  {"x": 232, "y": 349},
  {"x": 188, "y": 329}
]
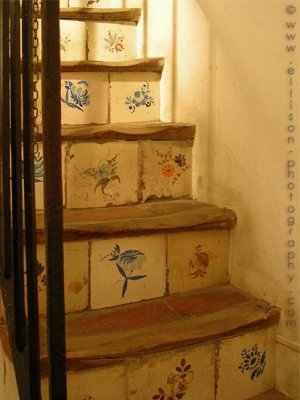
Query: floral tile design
[
  {"x": 203, "y": 263},
  {"x": 253, "y": 362},
  {"x": 127, "y": 262},
  {"x": 84, "y": 98},
  {"x": 178, "y": 383},
  {"x": 112, "y": 42},
  {"x": 246, "y": 362},
  {"x": 180, "y": 374},
  {"x": 167, "y": 169},
  {"x": 135, "y": 97},
  {"x": 101, "y": 174},
  {"x": 72, "y": 40},
  {"x": 140, "y": 98},
  {"x": 76, "y": 95},
  {"x": 76, "y": 276},
  {"x": 199, "y": 262},
  {"x": 104, "y": 174},
  {"x": 39, "y": 175},
  {"x": 126, "y": 270}
]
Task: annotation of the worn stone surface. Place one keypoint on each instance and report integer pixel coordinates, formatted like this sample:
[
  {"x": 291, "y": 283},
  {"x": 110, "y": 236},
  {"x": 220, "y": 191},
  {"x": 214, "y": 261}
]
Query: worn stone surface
[
  {"x": 84, "y": 98},
  {"x": 76, "y": 276},
  {"x": 127, "y": 270},
  {"x": 173, "y": 216},
  {"x": 167, "y": 169},
  {"x": 111, "y": 42},
  {"x": 246, "y": 363},
  {"x": 101, "y": 174},
  {"x": 197, "y": 259},
  {"x": 135, "y": 97},
  {"x": 188, "y": 372},
  {"x": 101, "y": 383}
]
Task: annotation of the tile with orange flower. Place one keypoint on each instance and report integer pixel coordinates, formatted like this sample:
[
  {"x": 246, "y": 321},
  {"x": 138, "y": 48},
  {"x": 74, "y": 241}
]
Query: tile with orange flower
[
  {"x": 197, "y": 260},
  {"x": 166, "y": 169}
]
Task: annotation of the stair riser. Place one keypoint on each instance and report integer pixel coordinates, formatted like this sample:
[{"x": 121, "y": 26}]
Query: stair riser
[
  {"x": 142, "y": 170},
  {"x": 97, "y": 41},
  {"x": 170, "y": 264},
  {"x": 214, "y": 373},
  {"x": 109, "y": 97}
]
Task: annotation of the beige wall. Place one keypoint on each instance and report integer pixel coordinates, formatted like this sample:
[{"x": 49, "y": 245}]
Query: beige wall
[{"x": 248, "y": 153}]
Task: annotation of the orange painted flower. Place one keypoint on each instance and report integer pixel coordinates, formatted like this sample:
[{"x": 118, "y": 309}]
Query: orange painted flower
[{"x": 168, "y": 170}]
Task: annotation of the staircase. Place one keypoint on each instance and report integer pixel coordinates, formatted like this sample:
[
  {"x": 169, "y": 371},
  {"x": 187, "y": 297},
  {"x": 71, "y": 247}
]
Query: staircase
[{"x": 150, "y": 310}]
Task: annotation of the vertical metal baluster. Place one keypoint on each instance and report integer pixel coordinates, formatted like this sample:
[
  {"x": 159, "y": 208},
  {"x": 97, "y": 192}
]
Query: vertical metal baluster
[
  {"x": 16, "y": 158},
  {"x": 29, "y": 198},
  {"x": 6, "y": 252},
  {"x": 51, "y": 109}
]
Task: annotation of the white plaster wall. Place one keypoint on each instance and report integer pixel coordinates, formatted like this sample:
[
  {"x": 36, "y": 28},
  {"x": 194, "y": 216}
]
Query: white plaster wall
[{"x": 248, "y": 154}]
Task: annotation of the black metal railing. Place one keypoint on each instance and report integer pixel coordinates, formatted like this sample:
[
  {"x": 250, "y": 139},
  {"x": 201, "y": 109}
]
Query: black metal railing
[{"x": 18, "y": 214}]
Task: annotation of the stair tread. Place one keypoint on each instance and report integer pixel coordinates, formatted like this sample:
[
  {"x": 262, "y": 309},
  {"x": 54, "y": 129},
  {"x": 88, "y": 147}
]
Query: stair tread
[
  {"x": 128, "y": 131},
  {"x": 137, "y": 65},
  {"x": 101, "y": 14},
  {"x": 107, "y": 336},
  {"x": 148, "y": 218},
  {"x": 270, "y": 395}
]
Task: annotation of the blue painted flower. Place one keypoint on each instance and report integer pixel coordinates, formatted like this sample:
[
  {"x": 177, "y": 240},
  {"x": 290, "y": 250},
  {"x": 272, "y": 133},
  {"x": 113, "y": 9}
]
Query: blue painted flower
[
  {"x": 77, "y": 95},
  {"x": 140, "y": 98},
  {"x": 253, "y": 361}
]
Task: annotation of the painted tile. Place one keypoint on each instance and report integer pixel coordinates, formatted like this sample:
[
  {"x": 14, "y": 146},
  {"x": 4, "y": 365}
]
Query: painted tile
[
  {"x": 95, "y": 384},
  {"x": 111, "y": 42},
  {"x": 39, "y": 175},
  {"x": 185, "y": 373},
  {"x": 127, "y": 270},
  {"x": 72, "y": 40},
  {"x": 76, "y": 276},
  {"x": 167, "y": 169},
  {"x": 247, "y": 364},
  {"x": 197, "y": 260},
  {"x": 90, "y": 3},
  {"x": 135, "y": 96},
  {"x": 101, "y": 174},
  {"x": 84, "y": 98}
]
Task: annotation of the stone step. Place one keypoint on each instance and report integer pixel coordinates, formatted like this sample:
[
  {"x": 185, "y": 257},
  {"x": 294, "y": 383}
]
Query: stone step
[
  {"x": 142, "y": 219},
  {"x": 101, "y": 14},
  {"x": 123, "y": 255},
  {"x": 271, "y": 395},
  {"x": 219, "y": 342},
  {"x": 158, "y": 131}
]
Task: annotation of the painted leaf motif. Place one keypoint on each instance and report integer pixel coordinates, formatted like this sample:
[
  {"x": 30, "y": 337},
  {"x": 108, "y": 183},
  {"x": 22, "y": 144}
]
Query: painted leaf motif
[
  {"x": 122, "y": 272},
  {"x": 137, "y": 277},
  {"x": 124, "y": 288},
  {"x": 130, "y": 256}
]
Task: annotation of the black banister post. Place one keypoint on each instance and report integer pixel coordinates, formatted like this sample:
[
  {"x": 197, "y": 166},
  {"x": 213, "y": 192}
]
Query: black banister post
[
  {"x": 29, "y": 200},
  {"x": 51, "y": 112}
]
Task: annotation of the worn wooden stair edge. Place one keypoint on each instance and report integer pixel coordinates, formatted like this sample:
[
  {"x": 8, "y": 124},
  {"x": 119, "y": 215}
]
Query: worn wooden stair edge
[
  {"x": 270, "y": 395},
  {"x": 136, "y": 65},
  {"x": 130, "y": 131},
  {"x": 141, "y": 219},
  {"x": 101, "y": 14},
  {"x": 109, "y": 336}
]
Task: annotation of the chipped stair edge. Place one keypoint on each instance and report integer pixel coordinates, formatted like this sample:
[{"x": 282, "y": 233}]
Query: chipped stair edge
[{"x": 141, "y": 219}]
